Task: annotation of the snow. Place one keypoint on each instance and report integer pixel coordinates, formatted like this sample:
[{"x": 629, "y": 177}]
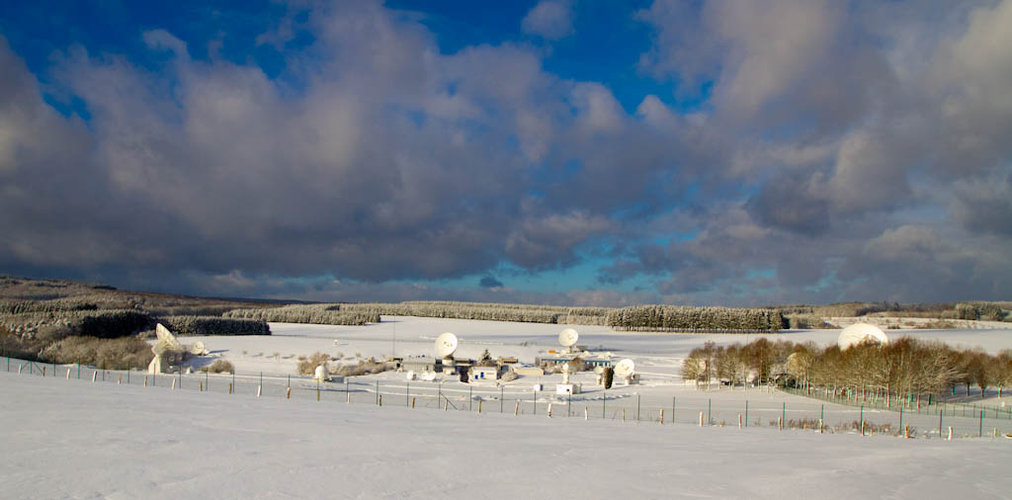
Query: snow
[
  {"x": 78, "y": 439},
  {"x": 75, "y": 439}
]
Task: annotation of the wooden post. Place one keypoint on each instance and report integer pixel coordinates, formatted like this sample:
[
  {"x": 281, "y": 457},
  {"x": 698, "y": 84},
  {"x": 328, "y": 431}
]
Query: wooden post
[
  {"x": 229, "y": 386},
  {"x": 260, "y": 389},
  {"x": 662, "y": 417},
  {"x": 739, "y": 421},
  {"x": 68, "y": 373},
  {"x": 780, "y": 423},
  {"x": 120, "y": 379},
  {"x": 94, "y": 377},
  {"x": 516, "y": 409},
  {"x": 906, "y": 432},
  {"x": 700, "y": 419},
  {"x": 586, "y": 413},
  {"x": 950, "y": 433},
  {"x": 623, "y": 415},
  {"x": 173, "y": 384},
  {"x": 380, "y": 400},
  {"x": 145, "y": 381},
  {"x": 822, "y": 426},
  {"x": 43, "y": 371},
  {"x": 479, "y": 405},
  {"x": 412, "y": 403},
  {"x": 288, "y": 393}
]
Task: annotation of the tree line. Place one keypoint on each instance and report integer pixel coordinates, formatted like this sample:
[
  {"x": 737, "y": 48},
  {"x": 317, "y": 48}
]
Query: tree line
[
  {"x": 696, "y": 319},
  {"x": 904, "y": 368}
]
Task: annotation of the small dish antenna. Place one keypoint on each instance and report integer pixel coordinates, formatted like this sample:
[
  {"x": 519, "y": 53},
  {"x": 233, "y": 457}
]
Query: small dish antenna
[
  {"x": 197, "y": 349},
  {"x": 446, "y": 345},
  {"x": 625, "y": 369},
  {"x": 568, "y": 338}
]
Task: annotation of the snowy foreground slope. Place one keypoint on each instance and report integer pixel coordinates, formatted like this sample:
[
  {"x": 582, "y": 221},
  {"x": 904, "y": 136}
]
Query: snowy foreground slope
[{"x": 74, "y": 439}]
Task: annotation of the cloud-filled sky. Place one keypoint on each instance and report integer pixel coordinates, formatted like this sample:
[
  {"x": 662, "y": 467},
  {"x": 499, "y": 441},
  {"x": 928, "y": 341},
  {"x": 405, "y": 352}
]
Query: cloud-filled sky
[{"x": 556, "y": 151}]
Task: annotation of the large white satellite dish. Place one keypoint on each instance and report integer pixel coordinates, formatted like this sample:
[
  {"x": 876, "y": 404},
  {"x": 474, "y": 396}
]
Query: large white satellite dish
[
  {"x": 568, "y": 337},
  {"x": 446, "y": 345},
  {"x": 167, "y": 338},
  {"x": 625, "y": 368}
]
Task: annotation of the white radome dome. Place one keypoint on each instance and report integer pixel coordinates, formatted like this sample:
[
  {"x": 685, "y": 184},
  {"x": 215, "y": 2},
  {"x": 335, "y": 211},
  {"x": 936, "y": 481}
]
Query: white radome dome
[{"x": 861, "y": 332}]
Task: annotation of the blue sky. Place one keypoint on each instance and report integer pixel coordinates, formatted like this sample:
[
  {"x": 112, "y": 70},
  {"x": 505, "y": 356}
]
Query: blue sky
[{"x": 555, "y": 151}]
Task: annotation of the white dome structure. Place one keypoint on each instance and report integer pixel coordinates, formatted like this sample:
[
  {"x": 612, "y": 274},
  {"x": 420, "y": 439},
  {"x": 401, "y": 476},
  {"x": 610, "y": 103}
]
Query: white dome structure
[{"x": 861, "y": 332}]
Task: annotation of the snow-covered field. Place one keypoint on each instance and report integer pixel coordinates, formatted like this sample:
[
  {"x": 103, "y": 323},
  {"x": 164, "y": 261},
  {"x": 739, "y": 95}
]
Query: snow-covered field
[{"x": 77, "y": 439}]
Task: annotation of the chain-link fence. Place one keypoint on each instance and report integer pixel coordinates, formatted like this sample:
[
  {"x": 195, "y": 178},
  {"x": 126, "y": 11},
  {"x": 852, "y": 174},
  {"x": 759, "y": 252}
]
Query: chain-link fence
[{"x": 631, "y": 404}]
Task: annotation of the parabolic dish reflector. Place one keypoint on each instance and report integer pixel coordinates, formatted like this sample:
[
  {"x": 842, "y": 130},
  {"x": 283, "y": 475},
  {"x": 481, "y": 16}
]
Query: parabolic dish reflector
[
  {"x": 625, "y": 368},
  {"x": 446, "y": 344},
  {"x": 164, "y": 335},
  {"x": 568, "y": 337}
]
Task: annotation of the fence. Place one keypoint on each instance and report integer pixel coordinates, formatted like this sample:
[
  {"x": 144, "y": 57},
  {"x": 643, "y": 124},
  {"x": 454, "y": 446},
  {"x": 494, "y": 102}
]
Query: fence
[{"x": 754, "y": 408}]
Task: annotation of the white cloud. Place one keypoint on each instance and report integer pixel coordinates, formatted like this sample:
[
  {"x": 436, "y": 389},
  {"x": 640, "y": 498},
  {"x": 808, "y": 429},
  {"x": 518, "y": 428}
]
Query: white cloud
[{"x": 549, "y": 19}]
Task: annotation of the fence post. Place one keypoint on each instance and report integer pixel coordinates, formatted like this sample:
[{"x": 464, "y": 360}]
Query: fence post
[
  {"x": 661, "y": 420},
  {"x": 377, "y": 392},
  {"x": 637, "y": 408},
  {"x": 407, "y": 393},
  {"x": 784, "y": 414},
  {"x": 673, "y": 409},
  {"x": 709, "y": 408},
  {"x": 980, "y": 433},
  {"x": 746, "y": 413},
  {"x": 700, "y": 419},
  {"x": 940, "y": 413},
  {"x": 862, "y": 420},
  {"x": 901, "y": 417},
  {"x": 317, "y": 389}
]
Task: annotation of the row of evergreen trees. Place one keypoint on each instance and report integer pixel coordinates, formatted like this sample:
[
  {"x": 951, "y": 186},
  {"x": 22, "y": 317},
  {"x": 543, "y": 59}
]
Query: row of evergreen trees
[
  {"x": 695, "y": 319},
  {"x": 214, "y": 325},
  {"x": 315, "y": 314}
]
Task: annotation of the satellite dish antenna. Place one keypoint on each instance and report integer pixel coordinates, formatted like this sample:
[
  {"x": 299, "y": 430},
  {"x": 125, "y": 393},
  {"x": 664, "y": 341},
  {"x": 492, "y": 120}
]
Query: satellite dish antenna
[
  {"x": 625, "y": 369},
  {"x": 568, "y": 338},
  {"x": 165, "y": 336},
  {"x": 446, "y": 345}
]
